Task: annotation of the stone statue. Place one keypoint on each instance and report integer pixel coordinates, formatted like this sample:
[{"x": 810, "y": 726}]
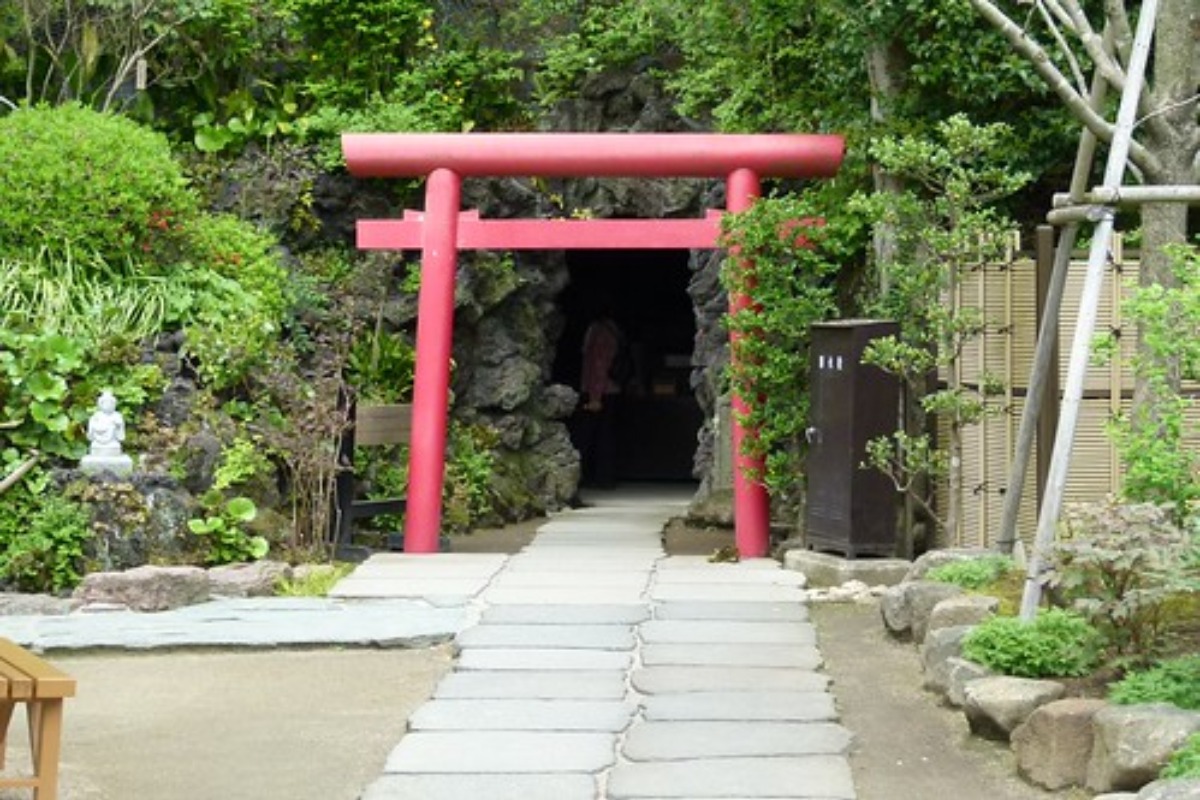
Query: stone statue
[{"x": 106, "y": 431}]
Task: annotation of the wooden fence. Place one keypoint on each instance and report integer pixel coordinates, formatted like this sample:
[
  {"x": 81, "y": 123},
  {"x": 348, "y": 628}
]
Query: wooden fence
[{"x": 1009, "y": 295}]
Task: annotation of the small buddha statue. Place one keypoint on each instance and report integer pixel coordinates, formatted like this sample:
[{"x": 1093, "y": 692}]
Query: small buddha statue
[{"x": 106, "y": 431}]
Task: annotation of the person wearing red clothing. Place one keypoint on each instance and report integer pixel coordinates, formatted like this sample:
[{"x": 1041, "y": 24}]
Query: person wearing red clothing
[{"x": 602, "y": 346}]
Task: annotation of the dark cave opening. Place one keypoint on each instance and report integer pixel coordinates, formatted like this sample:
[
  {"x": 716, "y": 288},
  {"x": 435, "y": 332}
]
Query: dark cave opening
[{"x": 657, "y": 414}]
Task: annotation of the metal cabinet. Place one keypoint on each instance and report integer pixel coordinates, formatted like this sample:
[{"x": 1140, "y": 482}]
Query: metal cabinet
[{"x": 849, "y": 510}]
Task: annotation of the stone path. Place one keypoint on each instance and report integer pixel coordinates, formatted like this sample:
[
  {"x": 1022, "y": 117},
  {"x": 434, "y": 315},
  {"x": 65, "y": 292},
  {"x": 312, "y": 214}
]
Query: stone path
[{"x": 600, "y": 668}]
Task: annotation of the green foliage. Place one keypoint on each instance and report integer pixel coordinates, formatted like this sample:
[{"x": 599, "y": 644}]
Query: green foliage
[
  {"x": 791, "y": 287},
  {"x": 975, "y": 573},
  {"x": 242, "y": 461},
  {"x": 230, "y": 297},
  {"x": 470, "y": 465},
  {"x": 1184, "y": 762},
  {"x": 359, "y": 48},
  {"x": 455, "y": 91},
  {"x": 94, "y": 187},
  {"x": 41, "y": 538},
  {"x": 1055, "y": 644},
  {"x": 225, "y": 537},
  {"x": 317, "y": 582},
  {"x": 1174, "y": 681},
  {"x": 942, "y": 227},
  {"x": 58, "y": 293},
  {"x": 381, "y": 366},
  {"x": 1159, "y": 465},
  {"x": 1118, "y": 565},
  {"x": 36, "y": 373},
  {"x": 578, "y": 40}
]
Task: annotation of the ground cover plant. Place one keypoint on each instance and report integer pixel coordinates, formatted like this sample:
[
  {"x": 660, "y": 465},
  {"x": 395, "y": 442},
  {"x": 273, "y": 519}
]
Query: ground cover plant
[
  {"x": 1055, "y": 644},
  {"x": 974, "y": 573}
]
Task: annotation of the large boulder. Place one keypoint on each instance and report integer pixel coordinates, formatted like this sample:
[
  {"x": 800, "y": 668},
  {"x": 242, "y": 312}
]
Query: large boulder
[
  {"x": 995, "y": 706},
  {"x": 937, "y": 651},
  {"x": 146, "y": 588},
  {"x": 1132, "y": 743},
  {"x": 1054, "y": 745},
  {"x": 906, "y": 607},
  {"x": 257, "y": 579},
  {"x": 967, "y": 609},
  {"x": 960, "y": 672},
  {"x": 18, "y": 604},
  {"x": 1177, "y": 789},
  {"x": 936, "y": 558}
]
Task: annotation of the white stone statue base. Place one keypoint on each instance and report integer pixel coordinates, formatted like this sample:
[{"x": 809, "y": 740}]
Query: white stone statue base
[{"x": 119, "y": 464}]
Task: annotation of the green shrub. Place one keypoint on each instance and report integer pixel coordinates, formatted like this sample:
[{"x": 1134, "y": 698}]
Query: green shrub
[
  {"x": 975, "y": 573},
  {"x": 77, "y": 180},
  {"x": 1174, "y": 681},
  {"x": 1056, "y": 643},
  {"x": 1118, "y": 566},
  {"x": 42, "y": 546},
  {"x": 1184, "y": 762},
  {"x": 227, "y": 541}
]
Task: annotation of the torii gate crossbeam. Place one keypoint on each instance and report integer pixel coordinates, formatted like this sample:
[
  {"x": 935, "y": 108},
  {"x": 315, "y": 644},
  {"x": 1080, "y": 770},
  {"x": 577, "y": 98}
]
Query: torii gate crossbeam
[{"x": 445, "y": 159}]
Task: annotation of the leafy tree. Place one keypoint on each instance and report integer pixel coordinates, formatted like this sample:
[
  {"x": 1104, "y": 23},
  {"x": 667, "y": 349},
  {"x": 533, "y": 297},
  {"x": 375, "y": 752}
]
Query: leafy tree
[{"x": 943, "y": 228}]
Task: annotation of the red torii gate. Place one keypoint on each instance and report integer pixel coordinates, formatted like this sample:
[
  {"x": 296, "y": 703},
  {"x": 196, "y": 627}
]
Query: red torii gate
[{"x": 442, "y": 230}]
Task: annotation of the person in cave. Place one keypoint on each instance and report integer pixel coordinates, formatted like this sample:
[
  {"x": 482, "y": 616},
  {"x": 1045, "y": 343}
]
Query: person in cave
[{"x": 604, "y": 353}]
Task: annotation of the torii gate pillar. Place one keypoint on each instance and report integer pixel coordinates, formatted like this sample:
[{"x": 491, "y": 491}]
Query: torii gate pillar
[{"x": 441, "y": 231}]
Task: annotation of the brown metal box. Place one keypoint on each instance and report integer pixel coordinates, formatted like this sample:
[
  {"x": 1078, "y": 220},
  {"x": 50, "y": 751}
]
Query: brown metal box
[{"x": 849, "y": 510}]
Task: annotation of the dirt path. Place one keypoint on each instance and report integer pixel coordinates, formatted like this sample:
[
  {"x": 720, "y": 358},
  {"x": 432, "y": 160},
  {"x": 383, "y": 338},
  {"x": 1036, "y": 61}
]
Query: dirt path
[
  {"x": 907, "y": 747},
  {"x": 199, "y": 725}
]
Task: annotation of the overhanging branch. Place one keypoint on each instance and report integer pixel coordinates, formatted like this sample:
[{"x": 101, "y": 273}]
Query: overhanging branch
[{"x": 1037, "y": 56}]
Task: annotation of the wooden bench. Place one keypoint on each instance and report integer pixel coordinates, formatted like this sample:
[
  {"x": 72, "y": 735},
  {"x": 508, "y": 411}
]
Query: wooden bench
[
  {"x": 25, "y": 678},
  {"x": 370, "y": 426}
]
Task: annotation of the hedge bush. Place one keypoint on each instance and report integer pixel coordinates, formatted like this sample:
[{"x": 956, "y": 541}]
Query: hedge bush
[{"x": 81, "y": 181}]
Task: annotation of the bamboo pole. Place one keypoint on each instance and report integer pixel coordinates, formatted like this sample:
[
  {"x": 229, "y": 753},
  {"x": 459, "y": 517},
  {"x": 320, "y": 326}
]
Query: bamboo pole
[
  {"x": 1081, "y": 346},
  {"x": 1045, "y": 352}
]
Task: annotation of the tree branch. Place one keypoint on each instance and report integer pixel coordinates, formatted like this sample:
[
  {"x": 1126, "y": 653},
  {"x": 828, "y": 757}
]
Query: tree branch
[
  {"x": 1036, "y": 55},
  {"x": 1122, "y": 32},
  {"x": 1076, "y": 72},
  {"x": 1093, "y": 43}
]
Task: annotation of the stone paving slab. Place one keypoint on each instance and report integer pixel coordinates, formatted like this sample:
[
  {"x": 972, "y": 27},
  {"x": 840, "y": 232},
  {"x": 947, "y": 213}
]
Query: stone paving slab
[
  {"x": 351, "y": 587},
  {"x": 580, "y": 562},
  {"x": 665, "y": 592},
  {"x": 702, "y": 562},
  {"x": 727, "y": 632},
  {"x": 261, "y": 622},
  {"x": 566, "y": 637},
  {"x": 671, "y": 680},
  {"x": 732, "y": 655},
  {"x": 801, "y": 778},
  {"x": 564, "y": 615},
  {"x": 442, "y": 565},
  {"x": 700, "y": 609},
  {"x": 730, "y": 573},
  {"x": 531, "y": 579},
  {"x": 523, "y": 715},
  {"x": 535, "y": 685},
  {"x": 492, "y": 786},
  {"x": 565, "y": 595},
  {"x": 542, "y": 659},
  {"x": 674, "y": 741},
  {"x": 465, "y": 752},
  {"x": 741, "y": 707}
]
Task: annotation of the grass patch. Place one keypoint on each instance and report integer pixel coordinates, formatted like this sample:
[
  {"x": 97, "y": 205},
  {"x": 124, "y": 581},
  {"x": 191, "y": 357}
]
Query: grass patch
[{"x": 316, "y": 582}]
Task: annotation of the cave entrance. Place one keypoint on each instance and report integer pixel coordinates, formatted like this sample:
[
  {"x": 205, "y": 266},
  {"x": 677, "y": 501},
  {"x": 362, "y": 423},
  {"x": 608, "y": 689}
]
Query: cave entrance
[
  {"x": 443, "y": 228},
  {"x": 657, "y": 416}
]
